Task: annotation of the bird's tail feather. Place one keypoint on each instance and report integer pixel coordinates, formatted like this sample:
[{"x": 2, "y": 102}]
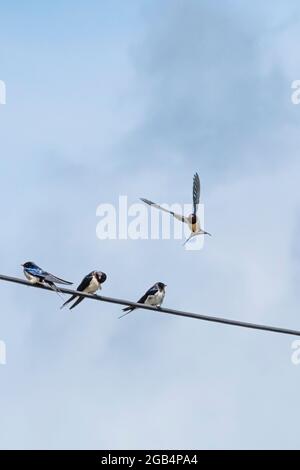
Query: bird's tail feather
[
  {"x": 68, "y": 301},
  {"x": 127, "y": 310},
  {"x": 55, "y": 288},
  {"x": 80, "y": 299},
  {"x": 189, "y": 238}
]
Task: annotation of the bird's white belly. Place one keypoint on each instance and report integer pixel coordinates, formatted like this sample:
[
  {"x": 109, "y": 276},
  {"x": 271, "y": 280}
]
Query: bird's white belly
[
  {"x": 93, "y": 287},
  {"x": 30, "y": 278},
  {"x": 155, "y": 299},
  {"x": 195, "y": 228}
]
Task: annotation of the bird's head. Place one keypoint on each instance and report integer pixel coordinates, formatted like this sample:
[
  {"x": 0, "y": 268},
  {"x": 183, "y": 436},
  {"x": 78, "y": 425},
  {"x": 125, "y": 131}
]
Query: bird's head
[
  {"x": 29, "y": 264},
  {"x": 161, "y": 286},
  {"x": 100, "y": 276}
]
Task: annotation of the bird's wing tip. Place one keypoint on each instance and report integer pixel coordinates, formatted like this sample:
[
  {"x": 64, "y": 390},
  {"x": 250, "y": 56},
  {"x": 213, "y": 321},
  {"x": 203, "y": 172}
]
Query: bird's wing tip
[{"x": 147, "y": 201}]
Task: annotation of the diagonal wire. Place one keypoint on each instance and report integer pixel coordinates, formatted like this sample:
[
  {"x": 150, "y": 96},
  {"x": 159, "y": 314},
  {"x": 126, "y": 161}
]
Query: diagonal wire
[{"x": 197, "y": 316}]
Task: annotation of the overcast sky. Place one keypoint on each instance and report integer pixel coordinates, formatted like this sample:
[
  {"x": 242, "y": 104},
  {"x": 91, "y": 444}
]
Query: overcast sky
[{"x": 109, "y": 98}]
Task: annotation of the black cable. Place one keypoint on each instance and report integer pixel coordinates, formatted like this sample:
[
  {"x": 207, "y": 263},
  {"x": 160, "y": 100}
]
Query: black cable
[{"x": 197, "y": 316}]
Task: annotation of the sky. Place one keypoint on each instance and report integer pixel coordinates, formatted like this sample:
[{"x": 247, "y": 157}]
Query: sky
[{"x": 109, "y": 98}]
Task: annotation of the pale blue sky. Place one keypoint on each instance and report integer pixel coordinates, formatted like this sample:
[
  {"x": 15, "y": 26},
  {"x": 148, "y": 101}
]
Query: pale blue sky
[{"x": 112, "y": 97}]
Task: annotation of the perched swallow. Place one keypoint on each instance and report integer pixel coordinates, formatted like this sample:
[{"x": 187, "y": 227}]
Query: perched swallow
[
  {"x": 37, "y": 275},
  {"x": 90, "y": 284},
  {"x": 192, "y": 220},
  {"x": 154, "y": 296}
]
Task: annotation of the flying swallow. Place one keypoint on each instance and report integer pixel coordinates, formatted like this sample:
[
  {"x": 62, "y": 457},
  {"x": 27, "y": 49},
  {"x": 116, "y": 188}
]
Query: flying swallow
[
  {"x": 192, "y": 220},
  {"x": 154, "y": 296},
  {"x": 90, "y": 284}
]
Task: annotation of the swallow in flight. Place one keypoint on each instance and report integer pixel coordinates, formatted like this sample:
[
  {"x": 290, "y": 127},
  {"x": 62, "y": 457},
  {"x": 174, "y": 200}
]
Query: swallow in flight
[{"x": 192, "y": 220}]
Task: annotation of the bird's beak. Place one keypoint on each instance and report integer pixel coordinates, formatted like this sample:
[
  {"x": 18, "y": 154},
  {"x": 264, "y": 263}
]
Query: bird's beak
[{"x": 22, "y": 265}]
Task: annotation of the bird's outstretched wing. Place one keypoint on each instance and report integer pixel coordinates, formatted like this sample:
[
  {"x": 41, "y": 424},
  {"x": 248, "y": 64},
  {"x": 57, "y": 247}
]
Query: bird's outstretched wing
[
  {"x": 196, "y": 192},
  {"x": 179, "y": 217}
]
